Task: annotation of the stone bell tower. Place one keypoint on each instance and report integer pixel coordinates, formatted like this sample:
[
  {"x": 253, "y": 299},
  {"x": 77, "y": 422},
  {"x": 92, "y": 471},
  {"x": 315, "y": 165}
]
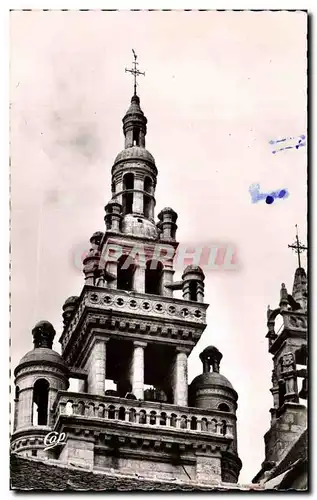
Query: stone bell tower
[
  {"x": 288, "y": 346},
  {"x": 126, "y": 327}
]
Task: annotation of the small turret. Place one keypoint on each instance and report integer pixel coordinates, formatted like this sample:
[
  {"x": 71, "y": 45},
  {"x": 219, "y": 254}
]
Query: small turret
[
  {"x": 39, "y": 375},
  {"x": 193, "y": 283}
]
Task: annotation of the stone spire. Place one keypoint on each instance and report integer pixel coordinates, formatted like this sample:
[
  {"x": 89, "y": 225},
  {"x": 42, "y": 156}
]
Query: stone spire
[
  {"x": 299, "y": 292},
  {"x": 134, "y": 121}
]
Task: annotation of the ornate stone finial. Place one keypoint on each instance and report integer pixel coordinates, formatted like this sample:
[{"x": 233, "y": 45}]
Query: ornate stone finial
[
  {"x": 96, "y": 238},
  {"x": 211, "y": 356},
  {"x": 43, "y": 335}
]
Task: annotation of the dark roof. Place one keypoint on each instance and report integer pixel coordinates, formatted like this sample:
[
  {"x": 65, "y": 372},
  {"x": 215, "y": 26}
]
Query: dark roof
[
  {"x": 33, "y": 473},
  {"x": 210, "y": 379},
  {"x": 42, "y": 355},
  {"x": 135, "y": 153}
]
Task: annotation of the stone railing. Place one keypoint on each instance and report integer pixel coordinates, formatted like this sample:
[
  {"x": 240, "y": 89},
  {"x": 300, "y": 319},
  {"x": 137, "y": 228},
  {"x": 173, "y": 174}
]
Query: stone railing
[
  {"x": 156, "y": 306},
  {"x": 137, "y": 412}
]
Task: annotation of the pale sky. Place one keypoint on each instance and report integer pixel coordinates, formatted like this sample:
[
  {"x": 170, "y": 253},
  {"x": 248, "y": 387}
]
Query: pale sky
[{"x": 218, "y": 87}]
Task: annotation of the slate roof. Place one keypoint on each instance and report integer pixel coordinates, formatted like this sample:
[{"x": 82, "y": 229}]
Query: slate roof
[{"x": 34, "y": 473}]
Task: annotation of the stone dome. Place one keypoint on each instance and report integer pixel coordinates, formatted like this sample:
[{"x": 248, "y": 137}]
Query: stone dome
[
  {"x": 139, "y": 226},
  {"x": 71, "y": 300},
  {"x": 134, "y": 153},
  {"x": 193, "y": 269},
  {"x": 42, "y": 355},
  {"x": 211, "y": 378}
]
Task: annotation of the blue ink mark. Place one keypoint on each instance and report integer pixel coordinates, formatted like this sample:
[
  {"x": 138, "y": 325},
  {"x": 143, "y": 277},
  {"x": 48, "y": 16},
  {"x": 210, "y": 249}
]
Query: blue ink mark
[
  {"x": 282, "y": 193},
  {"x": 269, "y": 198},
  {"x": 301, "y": 143}
]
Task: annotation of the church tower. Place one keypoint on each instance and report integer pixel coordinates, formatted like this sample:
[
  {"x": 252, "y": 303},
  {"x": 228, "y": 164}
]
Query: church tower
[
  {"x": 287, "y": 343},
  {"x": 126, "y": 327}
]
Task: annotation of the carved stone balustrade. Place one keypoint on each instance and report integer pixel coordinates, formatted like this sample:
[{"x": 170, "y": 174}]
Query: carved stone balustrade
[{"x": 143, "y": 413}]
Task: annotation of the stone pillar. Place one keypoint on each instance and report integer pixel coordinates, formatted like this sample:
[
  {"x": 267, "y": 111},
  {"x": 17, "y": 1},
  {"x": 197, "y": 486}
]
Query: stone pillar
[
  {"x": 25, "y": 417},
  {"x": 138, "y": 194},
  {"x": 167, "y": 279},
  {"x": 151, "y": 210},
  {"x": 112, "y": 268},
  {"x": 181, "y": 377},
  {"x": 51, "y": 398},
  {"x": 97, "y": 368},
  {"x": 119, "y": 188},
  {"x": 138, "y": 369},
  {"x": 139, "y": 278}
]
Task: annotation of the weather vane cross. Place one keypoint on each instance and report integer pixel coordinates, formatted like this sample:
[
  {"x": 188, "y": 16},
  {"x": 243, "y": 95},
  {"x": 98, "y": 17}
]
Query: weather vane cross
[
  {"x": 135, "y": 72},
  {"x": 298, "y": 247}
]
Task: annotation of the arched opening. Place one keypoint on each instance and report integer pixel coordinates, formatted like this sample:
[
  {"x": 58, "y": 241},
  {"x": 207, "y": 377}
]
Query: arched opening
[
  {"x": 183, "y": 422},
  {"x": 101, "y": 411},
  {"x": 136, "y": 136},
  {"x": 193, "y": 424},
  {"x": 126, "y": 268},
  {"x": 17, "y": 393},
  {"x": 113, "y": 187},
  {"x": 163, "y": 418},
  {"x": 204, "y": 424},
  {"x": 146, "y": 206},
  {"x": 173, "y": 419},
  {"x": 132, "y": 414},
  {"x": 153, "y": 417},
  {"x": 142, "y": 417},
  {"x": 148, "y": 185},
  {"x": 193, "y": 285},
  {"x": 153, "y": 277},
  {"x": 213, "y": 425},
  {"x": 223, "y": 407},
  {"x": 148, "y": 188},
  {"x": 127, "y": 197},
  {"x": 81, "y": 408},
  {"x": 121, "y": 413},
  {"x": 40, "y": 402},
  {"x": 111, "y": 412}
]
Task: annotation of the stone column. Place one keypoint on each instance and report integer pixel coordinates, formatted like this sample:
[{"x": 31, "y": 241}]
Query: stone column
[
  {"x": 112, "y": 268},
  {"x": 51, "y": 398},
  {"x": 138, "y": 369},
  {"x": 25, "y": 417},
  {"x": 97, "y": 368},
  {"x": 119, "y": 188},
  {"x": 167, "y": 278},
  {"x": 138, "y": 194},
  {"x": 181, "y": 377},
  {"x": 139, "y": 278}
]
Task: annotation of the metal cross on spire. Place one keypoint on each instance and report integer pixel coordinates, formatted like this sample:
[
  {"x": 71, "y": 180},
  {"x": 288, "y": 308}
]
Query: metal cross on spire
[
  {"x": 135, "y": 72},
  {"x": 298, "y": 247}
]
